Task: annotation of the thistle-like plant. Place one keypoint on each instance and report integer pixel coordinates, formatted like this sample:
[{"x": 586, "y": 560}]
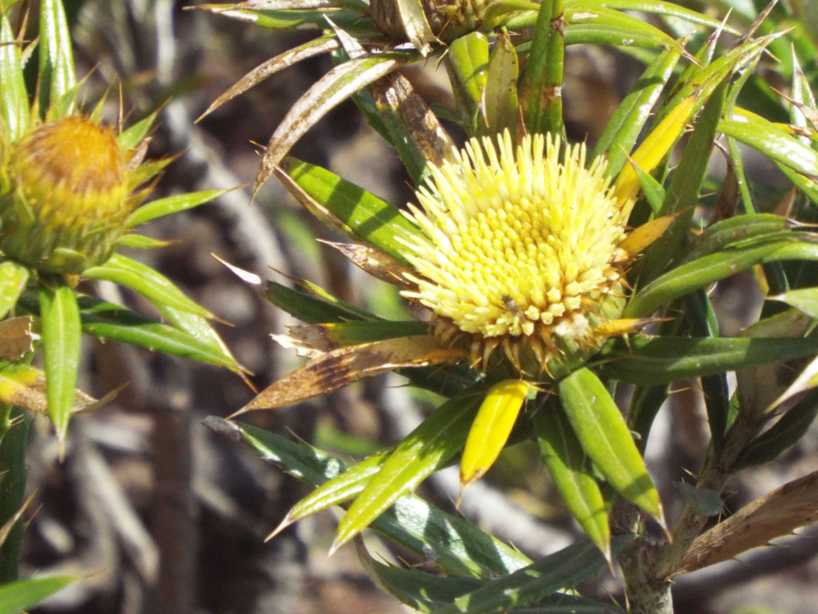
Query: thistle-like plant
[
  {"x": 546, "y": 278},
  {"x": 72, "y": 192}
]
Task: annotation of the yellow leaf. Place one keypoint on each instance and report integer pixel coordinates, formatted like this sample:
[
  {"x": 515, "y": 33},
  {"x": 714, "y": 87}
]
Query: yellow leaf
[
  {"x": 641, "y": 238},
  {"x": 491, "y": 428},
  {"x": 654, "y": 148}
]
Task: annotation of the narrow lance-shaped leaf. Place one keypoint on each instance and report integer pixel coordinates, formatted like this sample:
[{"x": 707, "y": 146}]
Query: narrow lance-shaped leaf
[
  {"x": 530, "y": 585},
  {"x": 467, "y": 61},
  {"x": 146, "y": 281},
  {"x": 705, "y": 270},
  {"x": 661, "y": 360},
  {"x": 541, "y": 87},
  {"x": 21, "y": 595},
  {"x": 61, "y": 332},
  {"x": 307, "y": 307},
  {"x": 685, "y": 184},
  {"x": 345, "y": 365},
  {"x": 116, "y": 323},
  {"x": 57, "y": 75},
  {"x": 336, "y": 491},
  {"x": 133, "y": 135},
  {"x": 422, "y": 452},
  {"x": 491, "y": 428},
  {"x": 772, "y": 140},
  {"x": 655, "y": 7},
  {"x": 171, "y": 205},
  {"x": 415, "y": 130},
  {"x": 605, "y": 437},
  {"x": 784, "y": 434},
  {"x": 734, "y": 231},
  {"x": 600, "y": 26},
  {"x": 367, "y": 216},
  {"x": 328, "y": 92},
  {"x": 455, "y": 544},
  {"x": 570, "y": 469},
  {"x": 500, "y": 103},
  {"x": 423, "y": 592},
  {"x": 330, "y": 336},
  {"x": 427, "y": 592},
  {"x": 627, "y": 122},
  {"x": 265, "y": 70},
  {"x": 14, "y": 105}
]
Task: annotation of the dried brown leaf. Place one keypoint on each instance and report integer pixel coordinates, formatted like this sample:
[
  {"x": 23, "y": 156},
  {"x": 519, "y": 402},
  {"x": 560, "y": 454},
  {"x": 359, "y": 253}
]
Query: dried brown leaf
[
  {"x": 16, "y": 338},
  {"x": 328, "y": 92},
  {"x": 345, "y": 365},
  {"x": 267, "y": 69},
  {"x": 25, "y": 387},
  {"x": 781, "y": 512},
  {"x": 375, "y": 262},
  {"x": 397, "y": 94}
]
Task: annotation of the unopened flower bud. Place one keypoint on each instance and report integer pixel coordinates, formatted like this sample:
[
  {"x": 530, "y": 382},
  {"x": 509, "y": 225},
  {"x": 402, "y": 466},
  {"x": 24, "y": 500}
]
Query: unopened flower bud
[{"x": 65, "y": 197}]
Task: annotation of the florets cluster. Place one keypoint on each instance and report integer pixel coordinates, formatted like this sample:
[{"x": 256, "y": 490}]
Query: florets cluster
[{"x": 521, "y": 250}]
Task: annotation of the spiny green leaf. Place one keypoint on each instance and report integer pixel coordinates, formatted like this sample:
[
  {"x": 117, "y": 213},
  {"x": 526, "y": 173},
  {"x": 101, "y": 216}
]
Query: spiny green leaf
[
  {"x": 661, "y": 360},
  {"x": 307, "y": 307},
  {"x": 455, "y": 544},
  {"x": 627, "y": 122},
  {"x": 705, "y": 270},
  {"x": 422, "y": 452},
  {"x": 772, "y": 140},
  {"x": 14, "y": 105},
  {"x": 57, "y": 75},
  {"x": 133, "y": 135},
  {"x": 570, "y": 469},
  {"x": 146, "y": 281},
  {"x": 500, "y": 101},
  {"x": 532, "y": 584},
  {"x": 18, "y": 596},
  {"x": 170, "y": 205},
  {"x": 468, "y": 61},
  {"x": 368, "y": 217},
  {"x": 117, "y": 323},
  {"x": 541, "y": 86},
  {"x": 605, "y": 437},
  {"x": 61, "y": 332}
]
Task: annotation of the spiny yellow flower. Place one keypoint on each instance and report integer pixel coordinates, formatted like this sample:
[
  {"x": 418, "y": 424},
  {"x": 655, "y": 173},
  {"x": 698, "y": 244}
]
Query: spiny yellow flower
[
  {"x": 64, "y": 196},
  {"x": 521, "y": 250}
]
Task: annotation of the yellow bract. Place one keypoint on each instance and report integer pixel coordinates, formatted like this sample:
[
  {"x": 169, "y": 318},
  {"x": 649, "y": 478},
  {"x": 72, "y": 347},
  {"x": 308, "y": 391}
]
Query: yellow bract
[{"x": 521, "y": 249}]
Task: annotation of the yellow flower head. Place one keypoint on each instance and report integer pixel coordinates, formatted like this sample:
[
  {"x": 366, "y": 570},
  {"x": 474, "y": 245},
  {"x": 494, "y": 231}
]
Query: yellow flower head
[
  {"x": 521, "y": 250},
  {"x": 64, "y": 196}
]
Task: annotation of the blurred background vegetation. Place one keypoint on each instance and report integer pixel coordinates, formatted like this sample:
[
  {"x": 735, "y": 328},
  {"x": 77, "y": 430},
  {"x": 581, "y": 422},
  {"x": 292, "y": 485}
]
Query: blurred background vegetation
[{"x": 165, "y": 516}]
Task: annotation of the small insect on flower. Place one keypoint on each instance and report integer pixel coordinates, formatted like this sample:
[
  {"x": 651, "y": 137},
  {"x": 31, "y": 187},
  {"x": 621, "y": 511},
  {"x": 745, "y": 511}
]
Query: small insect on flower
[{"x": 521, "y": 250}]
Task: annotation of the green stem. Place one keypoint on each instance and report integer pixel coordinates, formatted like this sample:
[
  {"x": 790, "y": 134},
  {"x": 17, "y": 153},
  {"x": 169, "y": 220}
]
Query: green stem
[{"x": 13, "y": 441}]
